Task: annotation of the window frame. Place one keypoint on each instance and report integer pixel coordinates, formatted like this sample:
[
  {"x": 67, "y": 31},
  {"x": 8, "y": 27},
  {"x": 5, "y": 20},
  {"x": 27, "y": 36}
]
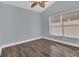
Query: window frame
[{"x": 61, "y": 16}]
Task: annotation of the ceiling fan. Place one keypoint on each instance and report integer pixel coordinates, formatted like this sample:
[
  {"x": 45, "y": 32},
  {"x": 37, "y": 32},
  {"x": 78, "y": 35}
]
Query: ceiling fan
[{"x": 40, "y": 3}]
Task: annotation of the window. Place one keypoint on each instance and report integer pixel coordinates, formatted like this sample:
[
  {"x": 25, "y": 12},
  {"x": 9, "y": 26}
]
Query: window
[
  {"x": 71, "y": 24},
  {"x": 56, "y": 26},
  {"x": 66, "y": 24}
]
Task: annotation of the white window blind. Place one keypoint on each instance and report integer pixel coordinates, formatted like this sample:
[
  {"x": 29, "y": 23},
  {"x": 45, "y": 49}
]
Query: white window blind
[
  {"x": 67, "y": 26},
  {"x": 55, "y": 27}
]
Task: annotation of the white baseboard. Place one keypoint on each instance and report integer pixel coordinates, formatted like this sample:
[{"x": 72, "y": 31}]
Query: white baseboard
[
  {"x": 64, "y": 42},
  {"x": 16, "y": 43},
  {"x": 12, "y": 44}
]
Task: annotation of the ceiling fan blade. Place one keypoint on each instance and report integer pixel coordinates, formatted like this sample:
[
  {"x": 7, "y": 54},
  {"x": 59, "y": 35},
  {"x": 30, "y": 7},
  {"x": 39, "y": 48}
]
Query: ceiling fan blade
[
  {"x": 34, "y": 4},
  {"x": 42, "y": 4}
]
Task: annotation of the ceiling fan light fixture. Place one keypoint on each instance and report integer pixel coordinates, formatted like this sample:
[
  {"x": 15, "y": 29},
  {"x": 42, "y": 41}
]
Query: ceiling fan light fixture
[{"x": 41, "y": 4}]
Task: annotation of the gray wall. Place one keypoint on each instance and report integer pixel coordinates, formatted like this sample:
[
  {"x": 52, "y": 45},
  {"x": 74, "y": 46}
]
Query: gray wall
[
  {"x": 18, "y": 24},
  {"x": 58, "y": 7}
]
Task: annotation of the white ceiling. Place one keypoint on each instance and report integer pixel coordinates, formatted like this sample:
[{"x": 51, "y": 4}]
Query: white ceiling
[{"x": 27, "y": 5}]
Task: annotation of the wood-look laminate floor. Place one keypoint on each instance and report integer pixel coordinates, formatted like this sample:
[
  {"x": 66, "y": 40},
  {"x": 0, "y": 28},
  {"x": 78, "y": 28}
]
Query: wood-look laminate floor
[{"x": 40, "y": 48}]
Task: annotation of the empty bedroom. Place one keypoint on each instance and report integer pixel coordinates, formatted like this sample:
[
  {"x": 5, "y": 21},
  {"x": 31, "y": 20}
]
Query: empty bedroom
[{"x": 39, "y": 28}]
